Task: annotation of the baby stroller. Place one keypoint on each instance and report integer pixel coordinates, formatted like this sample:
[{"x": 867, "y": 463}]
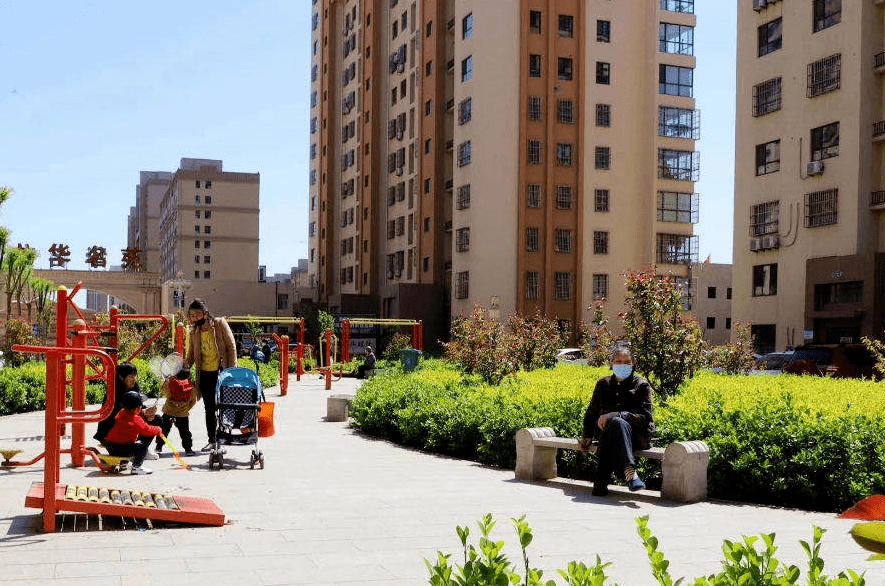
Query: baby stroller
[{"x": 238, "y": 397}]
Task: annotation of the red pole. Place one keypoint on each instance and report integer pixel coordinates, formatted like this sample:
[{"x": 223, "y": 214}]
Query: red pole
[
  {"x": 179, "y": 339},
  {"x": 415, "y": 342},
  {"x": 50, "y": 469},
  {"x": 78, "y": 394},
  {"x": 420, "y": 335},
  {"x": 345, "y": 340},
  {"x": 283, "y": 342},
  {"x": 328, "y": 359},
  {"x": 61, "y": 341},
  {"x": 300, "y": 350}
]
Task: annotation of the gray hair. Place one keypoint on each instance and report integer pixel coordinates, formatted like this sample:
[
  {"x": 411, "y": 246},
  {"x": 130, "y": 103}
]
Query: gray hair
[{"x": 621, "y": 351}]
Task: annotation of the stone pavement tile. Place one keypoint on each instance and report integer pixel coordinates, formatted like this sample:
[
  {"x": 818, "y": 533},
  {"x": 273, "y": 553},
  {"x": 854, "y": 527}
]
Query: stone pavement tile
[
  {"x": 96, "y": 581},
  {"x": 200, "y": 564},
  {"x": 337, "y": 574},
  {"x": 153, "y": 552},
  {"x": 50, "y": 554},
  {"x": 26, "y": 570},
  {"x": 115, "y": 568},
  {"x": 242, "y": 577}
]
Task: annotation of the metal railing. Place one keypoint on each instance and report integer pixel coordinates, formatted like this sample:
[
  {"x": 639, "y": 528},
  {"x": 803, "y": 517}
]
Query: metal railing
[
  {"x": 877, "y": 197},
  {"x": 878, "y": 128},
  {"x": 879, "y": 60}
]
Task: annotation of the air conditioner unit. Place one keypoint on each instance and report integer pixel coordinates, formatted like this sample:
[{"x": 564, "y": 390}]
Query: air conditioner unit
[
  {"x": 400, "y": 67},
  {"x": 770, "y": 242},
  {"x": 755, "y": 244},
  {"x": 759, "y": 4},
  {"x": 815, "y": 167},
  {"x": 399, "y": 171}
]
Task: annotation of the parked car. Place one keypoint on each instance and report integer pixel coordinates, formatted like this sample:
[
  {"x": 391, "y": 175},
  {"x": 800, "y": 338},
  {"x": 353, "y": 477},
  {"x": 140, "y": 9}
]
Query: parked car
[
  {"x": 836, "y": 360},
  {"x": 772, "y": 363},
  {"x": 573, "y": 355}
]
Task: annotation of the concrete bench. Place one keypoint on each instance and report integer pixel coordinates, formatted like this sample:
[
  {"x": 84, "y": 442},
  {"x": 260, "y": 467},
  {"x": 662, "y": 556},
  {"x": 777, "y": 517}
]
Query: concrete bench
[
  {"x": 683, "y": 464},
  {"x": 338, "y": 405}
]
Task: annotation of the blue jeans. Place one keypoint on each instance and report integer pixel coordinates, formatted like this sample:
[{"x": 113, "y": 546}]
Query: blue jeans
[{"x": 615, "y": 451}]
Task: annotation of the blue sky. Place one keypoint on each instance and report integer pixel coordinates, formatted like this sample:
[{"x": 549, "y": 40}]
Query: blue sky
[{"x": 91, "y": 93}]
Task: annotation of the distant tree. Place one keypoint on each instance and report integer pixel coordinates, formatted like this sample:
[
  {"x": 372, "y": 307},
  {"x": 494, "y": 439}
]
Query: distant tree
[
  {"x": 735, "y": 357},
  {"x": 18, "y": 264},
  {"x": 877, "y": 349},
  {"x": 597, "y": 340},
  {"x": 38, "y": 295}
]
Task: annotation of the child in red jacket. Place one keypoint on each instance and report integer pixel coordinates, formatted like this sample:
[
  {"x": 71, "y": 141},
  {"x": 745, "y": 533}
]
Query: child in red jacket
[{"x": 123, "y": 438}]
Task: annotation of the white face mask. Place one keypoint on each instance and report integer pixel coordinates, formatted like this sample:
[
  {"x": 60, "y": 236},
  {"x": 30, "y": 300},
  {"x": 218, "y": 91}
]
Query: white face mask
[{"x": 622, "y": 371}]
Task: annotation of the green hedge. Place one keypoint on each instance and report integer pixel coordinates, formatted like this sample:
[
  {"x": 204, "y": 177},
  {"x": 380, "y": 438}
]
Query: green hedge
[{"x": 789, "y": 441}]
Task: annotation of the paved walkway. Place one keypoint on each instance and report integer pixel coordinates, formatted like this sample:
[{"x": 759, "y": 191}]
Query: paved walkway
[{"x": 334, "y": 507}]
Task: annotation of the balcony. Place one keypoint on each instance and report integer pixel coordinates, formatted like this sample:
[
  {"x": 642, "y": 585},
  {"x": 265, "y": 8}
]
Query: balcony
[
  {"x": 879, "y": 62},
  {"x": 877, "y": 200},
  {"x": 879, "y": 131}
]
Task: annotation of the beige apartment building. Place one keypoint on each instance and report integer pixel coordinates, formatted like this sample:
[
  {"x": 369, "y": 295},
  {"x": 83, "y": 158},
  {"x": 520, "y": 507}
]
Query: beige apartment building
[
  {"x": 711, "y": 301},
  {"x": 518, "y": 154},
  {"x": 809, "y": 236}
]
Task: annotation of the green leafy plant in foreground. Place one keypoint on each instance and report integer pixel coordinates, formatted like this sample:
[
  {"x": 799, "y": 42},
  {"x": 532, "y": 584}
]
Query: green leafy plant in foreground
[{"x": 744, "y": 564}]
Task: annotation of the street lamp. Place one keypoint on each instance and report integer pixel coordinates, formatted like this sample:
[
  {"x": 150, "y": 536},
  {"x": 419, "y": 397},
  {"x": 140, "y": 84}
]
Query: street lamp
[{"x": 179, "y": 285}]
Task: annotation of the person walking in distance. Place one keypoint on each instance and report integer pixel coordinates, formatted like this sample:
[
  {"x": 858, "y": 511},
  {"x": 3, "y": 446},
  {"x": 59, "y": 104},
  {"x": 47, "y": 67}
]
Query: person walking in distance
[{"x": 212, "y": 348}]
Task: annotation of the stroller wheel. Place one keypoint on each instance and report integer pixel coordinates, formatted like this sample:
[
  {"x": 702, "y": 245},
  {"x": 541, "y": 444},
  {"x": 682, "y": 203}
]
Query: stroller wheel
[
  {"x": 220, "y": 461},
  {"x": 261, "y": 460}
]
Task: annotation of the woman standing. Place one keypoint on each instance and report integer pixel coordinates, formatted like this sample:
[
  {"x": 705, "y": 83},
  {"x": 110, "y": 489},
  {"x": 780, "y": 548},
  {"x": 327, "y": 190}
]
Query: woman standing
[{"x": 212, "y": 349}]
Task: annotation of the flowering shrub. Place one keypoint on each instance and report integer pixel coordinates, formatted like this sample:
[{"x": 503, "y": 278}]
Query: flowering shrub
[
  {"x": 397, "y": 342},
  {"x": 481, "y": 346},
  {"x": 18, "y": 331},
  {"x": 535, "y": 340},
  {"x": 597, "y": 340},
  {"x": 735, "y": 357}
]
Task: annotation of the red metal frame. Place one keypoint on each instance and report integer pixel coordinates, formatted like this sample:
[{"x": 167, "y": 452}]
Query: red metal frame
[{"x": 417, "y": 336}]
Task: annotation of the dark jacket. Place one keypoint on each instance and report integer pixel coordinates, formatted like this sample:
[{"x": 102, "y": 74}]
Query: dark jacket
[{"x": 632, "y": 398}]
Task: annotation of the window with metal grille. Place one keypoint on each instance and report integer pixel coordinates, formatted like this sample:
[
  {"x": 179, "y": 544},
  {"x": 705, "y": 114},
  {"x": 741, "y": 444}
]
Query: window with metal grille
[
  {"x": 564, "y": 197},
  {"x": 678, "y": 165},
  {"x": 674, "y": 206},
  {"x": 679, "y": 122},
  {"x": 467, "y": 68},
  {"x": 463, "y": 201},
  {"x": 600, "y": 200},
  {"x": 565, "y": 109},
  {"x": 532, "y": 240},
  {"x": 391, "y": 229},
  {"x": 764, "y": 218},
  {"x": 820, "y": 208},
  {"x": 564, "y": 68},
  {"x": 676, "y": 38},
  {"x": 600, "y": 242},
  {"x": 600, "y": 286},
  {"x": 825, "y": 141},
  {"x": 678, "y": 6},
  {"x": 564, "y": 154},
  {"x": 767, "y": 97},
  {"x": 400, "y": 225},
  {"x": 532, "y": 285},
  {"x": 566, "y": 25},
  {"x": 534, "y": 65},
  {"x": 677, "y": 249},
  {"x": 824, "y": 76},
  {"x": 562, "y": 285},
  {"x": 464, "y": 153},
  {"x": 533, "y": 195},
  {"x": 462, "y": 239},
  {"x": 603, "y": 31},
  {"x": 768, "y": 157},
  {"x": 534, "y": 108},
  {"x": 465, "y": 108},
  {"x": 462, "y": 289},
  {"x": 826, "y": 14},
  {"x": 602, "y": 158},
  {"x": 603, "y": 72},
  {"x": 764, "y": 280},
  {"x": 675, "y": 81},
  {"x": 563, "y": 240},
  {"x": 603, "y": 115},
  {"x": 534, "y": 152},
  {"x": 770, "y": 36}
]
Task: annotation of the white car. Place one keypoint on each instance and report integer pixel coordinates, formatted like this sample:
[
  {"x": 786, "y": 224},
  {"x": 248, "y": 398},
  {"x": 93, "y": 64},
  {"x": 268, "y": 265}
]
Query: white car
[{"x": 572, "y": 355}]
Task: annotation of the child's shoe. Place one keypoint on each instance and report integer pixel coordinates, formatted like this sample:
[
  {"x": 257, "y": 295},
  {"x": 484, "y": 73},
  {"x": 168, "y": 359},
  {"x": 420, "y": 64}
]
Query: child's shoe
[
  {"x": 151, "y": 455},
  {"x": 141, "y": 470}
]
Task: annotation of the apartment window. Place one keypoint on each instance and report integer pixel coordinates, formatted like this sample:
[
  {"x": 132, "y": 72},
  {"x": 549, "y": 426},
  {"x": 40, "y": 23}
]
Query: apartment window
[
  {"x": 315, "y": 21},
  {"x": 391, "y": 229},
  {"x": 564, "y": 154},
  {"x": 534, "y": 108},
  {"x": 197, "y": 214},
  {"x": 770, "y": 36},
  {"x": 467, "y": 26},
  {"x": 208, "y": 185},
  {"x": 534, "y": 65},
  {"x": 603, "y": 158},
  {"x": 208, "y": 199},
  {"x": 428, "y": 146},
  {"x": 603, "y": 72},
  {"x": 827, "y": 293},
  {"x": 678, "y": 165},
  {"x": 600, "y": 242},
  {"x": 428, "y": 108},
  {"x": 678, "y": 6},
  {"x": 196, "y": 259},
  {"x": 679, "y": 122},
  {"x": 535, "y": 21},
  {"x": 462, "y": 239},
  {"x": 820, "y": 208},
  {"x": 728, "y": 295},
  {"x": 824, "y": 76},
  {"x": 711, "y": 323},
  {"x": 533, "y": 196},
  {"x": 676, "y": 249},
  {"x": 675, "y": 81},
  {"x": 196, "y": 243},
  {"x": 196, "y": 229},
  {"x": 207, "y": 214},
  {"x": 674, "y": 206},
  {"x": 207, "y": 274},
  {"x": 534, "y": 152},
  {"x": 826, "y": 14},
  {"x": 676, "y": 38},
  {"x": 427, "y": 224},
  {"x": 313, "y": 73},
  {"x": 428, "y": 68},
  {"x": 600, "y": 200},
  {"x": 562, "y": 285},
  {"x": 467, "y": 68},
  {"x": 563, "y": 197},
  {"x": 207, "y": 259},
  {"x": 532, "y": 285},
  {"x": 565, "y": 68},
  {"x": 463, "y": 201},
  {"x": 825, "y": 142},
  {"x": 196, "y": 274},
  {"x": 428, "y": 30},
  {"x": 428, "y": 185},
  {"x": 465, "y": 110},
  {"x": 600, "y": 286},
  {"x": 603, "y": 115},
  {"x": 395, "y": 28},
  {"x": 208, "y": 243},
  {"x": 603, "y": 31},
  {"x": 425, "y": 264},
  {"x": 532, "y": 240},
  {"x": 764, "y": 218},
  {"x": 764, "y": 280},
  {"x": 768, "y": 157},
  {"x": 197, "y": 197},
  {"x": 464, "y": 153},
  {"x": 462, "y": 289},
  {"x": 563, "y": 240},
  {"x": 566, "y": 25},
  {"x": 313, "y": 125},
  {"x": 711, "y": 292},
  {"x": 767, "y": 97}
]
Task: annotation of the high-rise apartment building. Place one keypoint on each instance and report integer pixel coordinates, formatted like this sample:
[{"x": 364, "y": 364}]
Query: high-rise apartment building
[
  {"x": 809, "y": 235},
  {"x": 518, "y": 154}
]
